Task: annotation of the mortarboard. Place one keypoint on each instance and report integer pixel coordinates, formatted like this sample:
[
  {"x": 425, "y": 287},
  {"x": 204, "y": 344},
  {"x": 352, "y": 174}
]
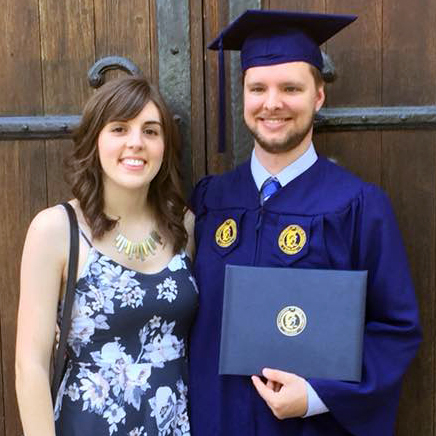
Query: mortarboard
[{"x": 274, "y": 37}]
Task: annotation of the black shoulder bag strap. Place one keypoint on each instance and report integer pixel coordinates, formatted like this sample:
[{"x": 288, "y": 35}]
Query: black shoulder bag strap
[{"x": 61, "y": 357}]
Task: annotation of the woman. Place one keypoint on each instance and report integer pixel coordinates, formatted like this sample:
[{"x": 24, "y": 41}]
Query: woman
[{"x": 133, "y": 308}]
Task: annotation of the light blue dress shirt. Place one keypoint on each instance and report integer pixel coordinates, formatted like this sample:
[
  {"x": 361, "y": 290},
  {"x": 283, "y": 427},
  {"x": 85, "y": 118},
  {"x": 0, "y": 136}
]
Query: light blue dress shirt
[
  {"x": 287, "y": 174},
  {"x": 315, "y": 405}
]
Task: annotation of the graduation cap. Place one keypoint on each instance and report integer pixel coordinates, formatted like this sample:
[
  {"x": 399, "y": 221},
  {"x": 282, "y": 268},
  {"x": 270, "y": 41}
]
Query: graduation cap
[{"x": 274, "y": 37}]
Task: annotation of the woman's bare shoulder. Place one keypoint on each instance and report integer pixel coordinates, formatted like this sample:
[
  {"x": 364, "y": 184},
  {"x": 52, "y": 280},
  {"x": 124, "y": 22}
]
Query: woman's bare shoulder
[
  {"x": 189, "y": 221},
  {"x": 51, "y": 220},
  {"x": 49, "y": 230}
]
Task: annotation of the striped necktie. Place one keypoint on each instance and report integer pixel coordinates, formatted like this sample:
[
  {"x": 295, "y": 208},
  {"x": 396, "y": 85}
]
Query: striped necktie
[{"x": 269, "y": 187}]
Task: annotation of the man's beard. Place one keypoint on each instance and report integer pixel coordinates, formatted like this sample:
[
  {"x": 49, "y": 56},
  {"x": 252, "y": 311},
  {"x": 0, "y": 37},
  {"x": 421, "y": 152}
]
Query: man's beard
[{"x": 292, "y": 140}]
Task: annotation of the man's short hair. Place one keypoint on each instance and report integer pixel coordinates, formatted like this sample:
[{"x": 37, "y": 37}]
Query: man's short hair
[{"x": 317, "y": 76}]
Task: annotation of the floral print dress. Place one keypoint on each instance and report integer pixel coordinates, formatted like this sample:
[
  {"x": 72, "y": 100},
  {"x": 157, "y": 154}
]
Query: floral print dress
[{"x": 127, "y": 370}]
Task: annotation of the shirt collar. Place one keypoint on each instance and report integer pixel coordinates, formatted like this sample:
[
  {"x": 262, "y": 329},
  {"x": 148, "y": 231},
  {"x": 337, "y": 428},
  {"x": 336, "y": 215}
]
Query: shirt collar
[{"x": 287, "y": 174}]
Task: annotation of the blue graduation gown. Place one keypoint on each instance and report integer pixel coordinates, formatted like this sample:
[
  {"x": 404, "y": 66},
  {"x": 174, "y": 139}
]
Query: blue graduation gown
[{"x": 349, "y": 225}]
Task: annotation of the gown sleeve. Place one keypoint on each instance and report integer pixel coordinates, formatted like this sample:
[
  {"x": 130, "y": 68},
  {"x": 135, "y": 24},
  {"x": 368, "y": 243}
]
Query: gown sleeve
[
  {"x": 392, "y": 332},
  {"x": 197, "y": 198}
]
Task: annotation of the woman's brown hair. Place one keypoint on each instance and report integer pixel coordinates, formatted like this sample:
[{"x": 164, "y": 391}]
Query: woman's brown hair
[{"x": 122, "y": 100}]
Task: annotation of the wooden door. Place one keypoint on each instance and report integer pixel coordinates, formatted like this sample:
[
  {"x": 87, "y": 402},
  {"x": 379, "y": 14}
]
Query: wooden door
[{"x": 386, "y": 58}]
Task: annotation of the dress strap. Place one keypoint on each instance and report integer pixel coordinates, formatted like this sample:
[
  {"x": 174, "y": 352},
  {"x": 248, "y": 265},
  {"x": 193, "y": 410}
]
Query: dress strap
[{"x": 82, "y": 233}]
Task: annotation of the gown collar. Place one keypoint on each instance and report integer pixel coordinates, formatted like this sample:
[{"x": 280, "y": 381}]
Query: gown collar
[{"x": 287, "y": 174}]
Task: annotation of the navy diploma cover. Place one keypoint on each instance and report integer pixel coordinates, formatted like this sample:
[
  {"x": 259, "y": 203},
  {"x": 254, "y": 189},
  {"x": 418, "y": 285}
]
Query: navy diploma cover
[{"x": 306, "y": 321}]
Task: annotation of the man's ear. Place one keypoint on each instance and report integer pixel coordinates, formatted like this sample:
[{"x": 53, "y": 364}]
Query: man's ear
[{"x": 320, "y": 97}]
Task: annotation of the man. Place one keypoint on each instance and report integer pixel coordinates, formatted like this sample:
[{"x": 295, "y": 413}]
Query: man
[{"x": 287, "y": 207}]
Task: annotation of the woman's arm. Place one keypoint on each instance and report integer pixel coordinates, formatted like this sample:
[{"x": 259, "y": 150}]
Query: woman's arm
[
  {"x": 42, "y": 269},
  {"x": 189, "y": 226}
]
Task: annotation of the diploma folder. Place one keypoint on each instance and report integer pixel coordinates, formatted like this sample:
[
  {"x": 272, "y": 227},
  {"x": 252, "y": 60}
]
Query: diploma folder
[{"x": 306, "y": 321}]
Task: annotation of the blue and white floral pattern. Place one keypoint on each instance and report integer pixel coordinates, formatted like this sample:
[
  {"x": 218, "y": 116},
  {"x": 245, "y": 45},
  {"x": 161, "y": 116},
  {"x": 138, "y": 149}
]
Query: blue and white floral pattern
[
  {"x": 113, "y": 377},
  {"x": 171, "y": 412},
  {"x": 167, "y": 290}
]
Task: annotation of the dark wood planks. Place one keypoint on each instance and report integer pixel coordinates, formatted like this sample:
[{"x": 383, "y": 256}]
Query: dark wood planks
[
  {"x": 2, "y": 414},
  {"x": 198, "y": 116},
  {"x": 356, "y": 53},
  {"x": 409, "y": 178},
  {"x": 215, "y": 15},
  {"x": 123, "y": 29},
  {"x": 67, "y": 44},
  {"x": 22, "y": 173},
  {"x": 295, "y": 5},
  {"x": 154, "y": 55},
  {"x": 409, "y": 78},
  {"x": 22, "y": 177},
  {"x": 22, "y": 180}
]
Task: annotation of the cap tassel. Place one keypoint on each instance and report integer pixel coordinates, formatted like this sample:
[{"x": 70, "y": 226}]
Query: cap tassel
[{"x": 222, "y": 101}]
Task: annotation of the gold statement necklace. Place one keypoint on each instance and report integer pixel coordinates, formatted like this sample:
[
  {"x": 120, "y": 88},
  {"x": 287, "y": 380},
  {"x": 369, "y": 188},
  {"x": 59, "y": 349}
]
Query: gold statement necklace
[{"x": 139, "y": 250}]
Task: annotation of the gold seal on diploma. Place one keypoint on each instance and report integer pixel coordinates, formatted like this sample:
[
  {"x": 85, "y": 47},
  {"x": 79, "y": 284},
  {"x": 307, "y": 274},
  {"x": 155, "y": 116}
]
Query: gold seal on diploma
[
  {"x": 292, "y": 239},
  {"x": 291, "y": 321},
  {"x": 226, "y": 233}
]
